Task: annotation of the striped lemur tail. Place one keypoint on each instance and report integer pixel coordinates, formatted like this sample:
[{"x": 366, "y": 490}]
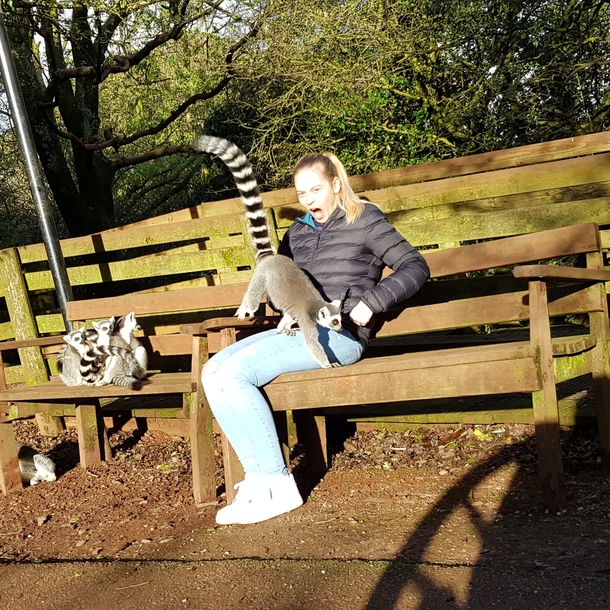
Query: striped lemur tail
[
  {"x": 287, "y": 287},
  {"x": 239, "y": 166}
]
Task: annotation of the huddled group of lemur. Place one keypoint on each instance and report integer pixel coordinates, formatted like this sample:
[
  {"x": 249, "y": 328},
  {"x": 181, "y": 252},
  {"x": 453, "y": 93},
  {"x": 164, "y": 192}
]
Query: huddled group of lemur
[{"x": 107, "y": 353}]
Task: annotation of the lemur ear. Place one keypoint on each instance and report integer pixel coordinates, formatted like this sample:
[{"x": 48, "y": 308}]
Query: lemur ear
[{"x": 336, "y": 303}]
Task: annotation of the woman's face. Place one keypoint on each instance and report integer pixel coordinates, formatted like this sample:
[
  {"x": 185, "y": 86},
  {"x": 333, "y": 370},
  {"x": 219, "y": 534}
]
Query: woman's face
[{"x": 316, "y": 193}]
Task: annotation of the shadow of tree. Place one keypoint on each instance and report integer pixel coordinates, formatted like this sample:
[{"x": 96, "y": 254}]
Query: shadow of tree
[{"x": 412, "y": 576}]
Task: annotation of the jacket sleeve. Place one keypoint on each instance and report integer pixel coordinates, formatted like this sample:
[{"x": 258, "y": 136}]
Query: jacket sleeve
[{"x": 410, "y": 268}]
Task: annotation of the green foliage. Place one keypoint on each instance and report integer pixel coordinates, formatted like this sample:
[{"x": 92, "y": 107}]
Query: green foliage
[
  {"x": 19, "y": 218},
  {"x": 381, "y": 83},
  {"x": 397, "y": 83},
  {"x": 149, "y": 93}
]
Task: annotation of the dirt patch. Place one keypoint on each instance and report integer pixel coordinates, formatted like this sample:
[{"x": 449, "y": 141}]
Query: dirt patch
[
  {"x": 143, "y": 493},
  {"x": 141, "y": 500},
  {"x": 438, "y": 517}
]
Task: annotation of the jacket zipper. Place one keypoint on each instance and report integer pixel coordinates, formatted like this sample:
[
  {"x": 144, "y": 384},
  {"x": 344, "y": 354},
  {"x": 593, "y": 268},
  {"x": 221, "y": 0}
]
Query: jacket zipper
[{"x": 318, "y": 239}]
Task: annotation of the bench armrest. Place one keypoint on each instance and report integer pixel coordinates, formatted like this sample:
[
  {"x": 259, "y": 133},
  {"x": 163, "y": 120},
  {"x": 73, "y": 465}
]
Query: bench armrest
[
  {"x": 217, "y": 324},
  {"x": 552, "y": 272},
  {"x": 37, "y": 342}
]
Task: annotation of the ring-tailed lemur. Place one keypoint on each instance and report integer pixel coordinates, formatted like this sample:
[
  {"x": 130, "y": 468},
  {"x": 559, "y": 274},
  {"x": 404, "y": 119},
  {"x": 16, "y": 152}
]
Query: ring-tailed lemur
[
  {"x": 35, "y": 467},
  {"x": 70, "y": 359},
  {"x": 119, "y": 332},
  {"x": 277, "y": 276},
  {"x": 125, "y": 326},
  {"x": 100, "y": 364}
]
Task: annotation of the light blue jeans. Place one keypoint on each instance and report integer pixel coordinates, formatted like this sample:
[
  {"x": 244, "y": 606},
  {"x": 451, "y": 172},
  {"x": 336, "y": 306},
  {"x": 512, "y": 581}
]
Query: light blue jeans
[{"x": 232, "y": 378}]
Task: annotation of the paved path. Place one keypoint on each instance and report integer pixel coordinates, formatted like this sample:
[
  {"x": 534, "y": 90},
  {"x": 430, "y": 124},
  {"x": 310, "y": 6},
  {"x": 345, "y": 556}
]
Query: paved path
[{"x": 295, "y": 584}]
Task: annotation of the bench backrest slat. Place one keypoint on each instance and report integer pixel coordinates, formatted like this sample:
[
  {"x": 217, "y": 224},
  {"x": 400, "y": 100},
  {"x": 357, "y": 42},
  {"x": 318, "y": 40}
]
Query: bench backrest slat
[
  {"x": 494, "y": 309},
  {"x": 207, "y": 297},
  {"x": 491, "y": 309},
  {"x": 517, "y": 250}
]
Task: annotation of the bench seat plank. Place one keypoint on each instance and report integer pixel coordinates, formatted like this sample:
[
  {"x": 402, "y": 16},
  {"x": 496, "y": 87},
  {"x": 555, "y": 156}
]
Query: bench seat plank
[
  {"x": 515, "y": 350},
  {"x": 55, "y": 389},
  {"x": 501, "y": 369}
]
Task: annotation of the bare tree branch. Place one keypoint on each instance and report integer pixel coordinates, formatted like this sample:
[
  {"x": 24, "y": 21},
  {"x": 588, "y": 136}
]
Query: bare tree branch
[
  {"x": 155, "y": 153},
  {"x": 123, "y": 63},
  {"x": 205, "y": 95}
]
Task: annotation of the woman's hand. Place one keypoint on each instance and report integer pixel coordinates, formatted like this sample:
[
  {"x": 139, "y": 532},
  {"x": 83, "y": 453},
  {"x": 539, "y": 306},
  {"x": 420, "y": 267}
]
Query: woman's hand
[{"x": 361, "y": 314}]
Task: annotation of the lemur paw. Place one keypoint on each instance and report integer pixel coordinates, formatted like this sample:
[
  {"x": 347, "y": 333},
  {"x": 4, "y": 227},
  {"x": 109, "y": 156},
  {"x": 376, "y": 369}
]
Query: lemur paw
[
  {"x": 335, "y": 365},
  {"x": 242, "y": 313},
  {"x": 328, "y": 365}
]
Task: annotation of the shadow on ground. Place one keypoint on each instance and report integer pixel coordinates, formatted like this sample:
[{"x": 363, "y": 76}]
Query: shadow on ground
[
  {"x": 522, "y": 556},
  {"x": 405, "y": 539}
]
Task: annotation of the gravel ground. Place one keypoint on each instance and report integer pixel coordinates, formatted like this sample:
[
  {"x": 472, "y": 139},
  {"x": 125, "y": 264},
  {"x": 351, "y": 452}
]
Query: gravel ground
[{"x": 436, "y": 517}]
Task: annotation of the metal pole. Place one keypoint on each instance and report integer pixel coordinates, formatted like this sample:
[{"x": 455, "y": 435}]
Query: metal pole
[{"x": 34, "y": 172}]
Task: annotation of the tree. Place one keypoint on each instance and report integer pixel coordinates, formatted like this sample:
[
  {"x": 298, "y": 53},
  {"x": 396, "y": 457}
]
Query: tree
[
  {"x": 66, "y": 53},
  {"x": 118, "y": 89},
  {"x": 390, "y": 83}
]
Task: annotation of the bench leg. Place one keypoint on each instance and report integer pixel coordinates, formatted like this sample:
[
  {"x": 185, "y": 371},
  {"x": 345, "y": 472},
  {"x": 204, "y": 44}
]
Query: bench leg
[
  {"x": 10, "y": 476},
  {"x": 311, "y": 433},
  {"x": 49, "y": 425},
  {"x": 601, "y": 378},
  {"x": 91, "y": 432},
  {"x": 601, "y": 391},
  {"x": 282, "y": 425},
  {"x": 546, "y": 421},
  {"x": 201, "y": 429},
  {"x": 546, "y": 409},
  {"x": 202, "y": 450}
]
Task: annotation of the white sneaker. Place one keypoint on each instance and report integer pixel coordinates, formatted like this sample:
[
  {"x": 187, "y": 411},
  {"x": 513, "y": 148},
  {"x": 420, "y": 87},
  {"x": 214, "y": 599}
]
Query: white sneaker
[{"x": 261, "y": 497}]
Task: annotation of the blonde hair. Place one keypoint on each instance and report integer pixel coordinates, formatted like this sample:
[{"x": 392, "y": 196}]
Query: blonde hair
[{"x": 329, "y": 167}]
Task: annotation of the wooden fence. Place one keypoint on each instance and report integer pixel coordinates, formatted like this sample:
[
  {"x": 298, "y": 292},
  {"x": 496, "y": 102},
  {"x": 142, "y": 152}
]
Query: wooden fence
[{"x": 435, "y": 205}]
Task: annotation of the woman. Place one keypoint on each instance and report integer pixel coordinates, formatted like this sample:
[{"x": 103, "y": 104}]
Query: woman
[{"x": 343, "y": 243}]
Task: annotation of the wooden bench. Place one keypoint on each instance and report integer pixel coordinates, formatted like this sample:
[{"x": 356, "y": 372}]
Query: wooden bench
[
  {"x": 532, "y": 295},
  {"x": 435, "y": 205},
  {"x": 173, "y": 371}
]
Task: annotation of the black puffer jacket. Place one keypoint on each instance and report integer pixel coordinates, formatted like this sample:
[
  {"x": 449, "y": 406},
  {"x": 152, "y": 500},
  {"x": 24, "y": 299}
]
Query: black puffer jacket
[{"x": 345, "y": 261}]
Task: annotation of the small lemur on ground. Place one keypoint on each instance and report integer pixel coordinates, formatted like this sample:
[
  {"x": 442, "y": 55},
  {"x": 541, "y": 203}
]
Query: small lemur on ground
[
  {"x": 287, "y": 287},
  {"x": 35, "y": 467}
]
